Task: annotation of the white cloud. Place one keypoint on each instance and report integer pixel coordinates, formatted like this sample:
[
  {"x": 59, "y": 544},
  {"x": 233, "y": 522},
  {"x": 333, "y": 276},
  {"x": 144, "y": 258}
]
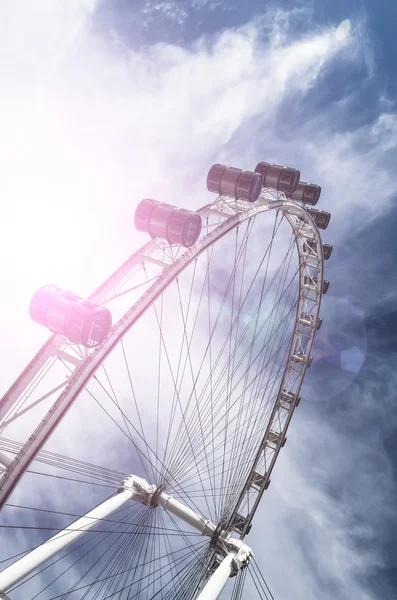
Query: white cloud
[
  {"x": 170, "y": 10},
  {"x": 90, "y": 132}
]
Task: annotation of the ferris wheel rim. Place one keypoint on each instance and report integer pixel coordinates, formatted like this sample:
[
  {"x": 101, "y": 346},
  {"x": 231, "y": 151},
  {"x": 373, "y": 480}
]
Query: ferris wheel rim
[{"x": 80, "y": 377}]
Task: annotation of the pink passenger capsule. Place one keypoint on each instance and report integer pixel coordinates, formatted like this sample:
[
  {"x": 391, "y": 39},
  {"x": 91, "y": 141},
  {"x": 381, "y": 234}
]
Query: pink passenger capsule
[
  {"x": 160, "y": 220},
  {"x": 78, "y": 319}
]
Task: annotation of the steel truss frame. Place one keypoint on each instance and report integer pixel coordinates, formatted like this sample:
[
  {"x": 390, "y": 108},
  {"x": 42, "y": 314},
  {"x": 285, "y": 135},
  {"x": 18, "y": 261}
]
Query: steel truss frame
[{"x": 165, "y": 263}]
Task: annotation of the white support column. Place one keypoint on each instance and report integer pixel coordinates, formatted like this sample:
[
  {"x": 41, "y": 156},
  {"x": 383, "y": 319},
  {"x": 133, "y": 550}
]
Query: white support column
[
  {"x": 218, "y": 579},
  {"x": 4, "y": 461},
  {"x": 186, "y": 514},
  {"x": 25, "y": 565}
]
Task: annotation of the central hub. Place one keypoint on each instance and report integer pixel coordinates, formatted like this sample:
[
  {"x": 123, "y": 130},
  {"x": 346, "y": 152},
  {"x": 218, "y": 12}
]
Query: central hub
[{"x": 221, "y": 541}]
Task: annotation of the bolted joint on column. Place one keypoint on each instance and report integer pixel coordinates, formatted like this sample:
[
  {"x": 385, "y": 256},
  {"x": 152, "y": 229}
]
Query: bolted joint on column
[
  {"x": 141, "y": 490},
  {"x": 242, "y": 557},
  {"x": 242, "y": 553}
]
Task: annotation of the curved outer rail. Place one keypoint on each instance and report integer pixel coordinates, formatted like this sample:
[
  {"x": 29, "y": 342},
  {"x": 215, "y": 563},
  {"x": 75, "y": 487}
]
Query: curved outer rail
[{"x": 229, "y": 214}]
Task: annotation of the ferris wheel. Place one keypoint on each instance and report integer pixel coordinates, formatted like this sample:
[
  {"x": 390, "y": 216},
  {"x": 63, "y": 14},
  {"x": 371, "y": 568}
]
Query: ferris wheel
[{"x": 164, "y": 399}]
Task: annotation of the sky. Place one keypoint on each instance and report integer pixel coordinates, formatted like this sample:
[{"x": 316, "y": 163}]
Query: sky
[{"x": 106, "y": 102}]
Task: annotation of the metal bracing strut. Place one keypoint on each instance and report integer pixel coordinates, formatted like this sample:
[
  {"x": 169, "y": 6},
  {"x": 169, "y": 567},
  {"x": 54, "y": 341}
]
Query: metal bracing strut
[{"x": 234, "y": 552}]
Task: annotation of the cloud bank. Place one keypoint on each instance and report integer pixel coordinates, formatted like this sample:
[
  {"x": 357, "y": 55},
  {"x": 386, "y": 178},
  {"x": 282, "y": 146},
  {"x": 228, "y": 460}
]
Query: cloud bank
[{"x": 91, "y": 125}]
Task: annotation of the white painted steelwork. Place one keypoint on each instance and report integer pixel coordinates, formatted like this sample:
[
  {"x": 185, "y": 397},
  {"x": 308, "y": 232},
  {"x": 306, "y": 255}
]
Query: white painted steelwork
[
  {"x": 15, "y": 573},
  {"x": 83, "y": 364},
  {"x": 230, "y": 213},
  {"x": 138, "y": 489},
  {"x": 218, "y": 579}
]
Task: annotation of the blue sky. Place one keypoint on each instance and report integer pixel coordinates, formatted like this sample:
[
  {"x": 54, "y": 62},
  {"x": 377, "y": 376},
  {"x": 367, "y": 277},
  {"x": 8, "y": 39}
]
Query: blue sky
[{"x": 122, "y": 100}]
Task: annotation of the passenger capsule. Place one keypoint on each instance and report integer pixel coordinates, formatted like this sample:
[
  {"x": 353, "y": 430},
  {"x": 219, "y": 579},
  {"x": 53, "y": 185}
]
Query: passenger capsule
[
  {"x": 283, "y": 179},
  {"x": 239, "y": 184},
  {"x": 308, "y": 193},
  {"x": 79, "y": 320},
  {"x": 321, "y": 217},
  {"x": 327, "y": 251},
  {"x": 160, "y": 220}
]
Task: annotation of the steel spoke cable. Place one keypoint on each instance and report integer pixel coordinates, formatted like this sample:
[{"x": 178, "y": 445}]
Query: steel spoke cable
[
  {"x": 116, "y": 401},
  {"x": 168, "y": 361},
  {"x": 120, "y": 561},
  {"x": 134, "y": 397},
  {"x": 182, "y": 534},
  {"x": 187, "y": 486},
  {"x": 258, "y": 312},
  {"x": 127, "y": 435},
  {"x": 174, "y": 404},
  {"x": 185, "y": 592},
  {"x": 110, "y": 566},
  {"x": 159, "y": 381},
  {"x": 233, "y": 358},
  {"x": 259, "y": 581},
  {"x": 134, "y": 444},
  {"x": 261, "y": 577},
  {"x": 139, "y": 451},
  {"x": 103, "y": 519},
  {"x": 261, "y": 592},
  {"x": 167, "y": 544},
  {"x": 256, "y": 416},
  {"x": 245, "y": 353},
  {"x": 238, "y": 586},
  {"x": 190, "y": 565},
  {"x": 183, "y": 480},
  {"x": 230, "y": 362},
  {"x": 48, "y": 565},
  {"x": 219, "y": 408},
  {"x": 221, "y": 307},
  {"x": 64, "y": 462},
  {"x": 254, "y": 448},
  {"x": 190, "y": 365},
  {"x": 178, "y": 437},
  {"x": 33, "y": 547},
  {"x": 208, "y": 288},
  {"x": 220, "y": 420},
  {"x": 239, "y": 475},
  {"x": 210, "y": 338},
  {"x": 80, "y": 588},
  {"x": 174, "y": 384},
  {"x": 173, "y": 409},
  {"x": 247, "y": 461},
  {"x": 220, "y": 393},
  {"x": 115, "y": 542},
  {"x": 239, "y": 361},
  {"x": 192, "y": 375},
  {"x": 141, "y": 454},
  {"x": 61, "y": 477},
  {"x": 142, "y": 578}
]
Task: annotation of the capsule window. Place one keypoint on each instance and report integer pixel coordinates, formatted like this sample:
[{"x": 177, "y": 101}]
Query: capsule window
[
  {"x": 283, "y": 179},
  {"x": 321, "y": 217},
  {"x": 236, "y": 183},
  {"x": 160, "y": 220},
  {"x": 81, "y": 321},
  {"x": 308, "y": 193}
]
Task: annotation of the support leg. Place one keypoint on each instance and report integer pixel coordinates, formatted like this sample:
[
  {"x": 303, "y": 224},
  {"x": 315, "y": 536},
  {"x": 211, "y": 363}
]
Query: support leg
[
  {"x": 25, "y": 565},
  {"x": 218, "y": 579}
]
